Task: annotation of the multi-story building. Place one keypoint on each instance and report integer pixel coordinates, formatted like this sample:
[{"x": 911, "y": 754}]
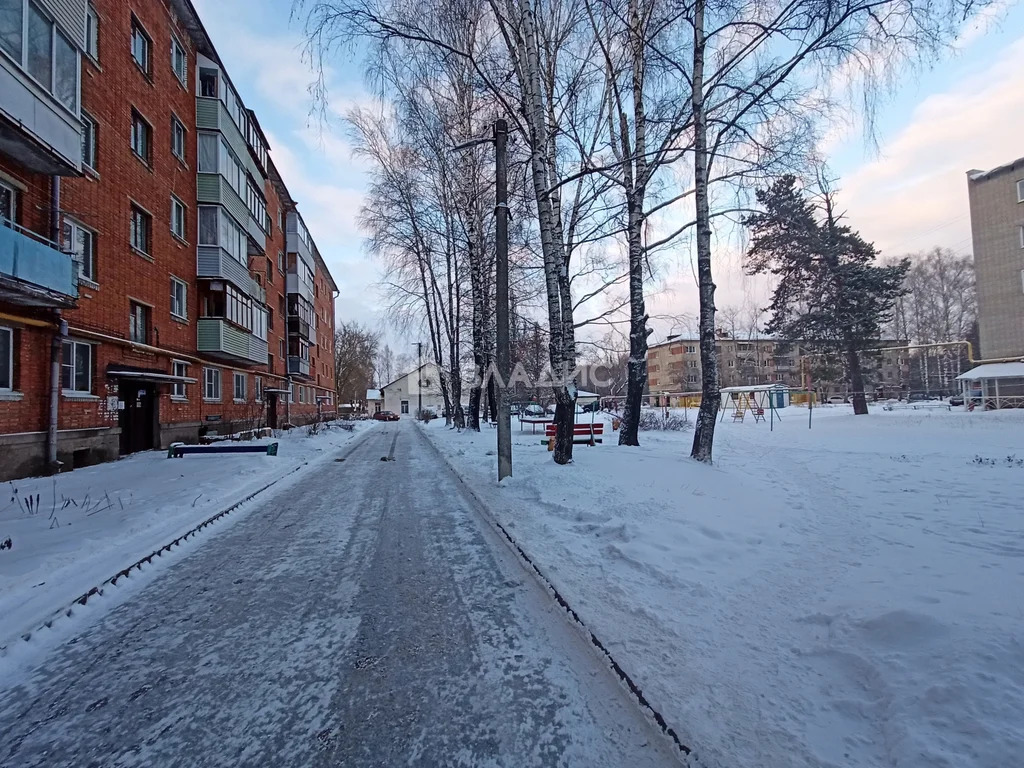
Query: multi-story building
[
  {"x": 674, "y": 365},
  {"x": 156, "y": 279},
  {"x": 997, "y": 229}
]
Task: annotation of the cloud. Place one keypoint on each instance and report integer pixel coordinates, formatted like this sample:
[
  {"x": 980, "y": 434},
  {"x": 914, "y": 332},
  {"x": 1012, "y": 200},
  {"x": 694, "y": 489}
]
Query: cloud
[{"x": 914, "y": 195}]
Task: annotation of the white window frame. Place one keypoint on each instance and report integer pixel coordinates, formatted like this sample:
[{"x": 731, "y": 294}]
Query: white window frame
[
  {"x": 147, "y": 220},
  {"x": 176, "y": 206},
  {"x": 257, "y": 388},
  {"x": 147, "y": 47},
  {"x": 176, "y": 283},
  {"x": 404, "y": 406},
  {"x": 70, "y": 245},
  {"x": 178, "y": 129},
  {"x": 178, "y": 391},
  {"x": 14, "y": 202},
  {"x": 72, "y": 364},
  {"x": 1020, "y": 191},
  {"x": 182, "y": 75},
  {"x": 90, "y": 141},
  {"x": 239, "y": 379},
  {"x": 1021, "y": 230},
  {"x": 691, "y": 378},
  {"x": 142, "y": 141},
  {"x": 92, "y": 33},
  {"x": 9, "y": 362},
  {"x": 211, "y": 376}
]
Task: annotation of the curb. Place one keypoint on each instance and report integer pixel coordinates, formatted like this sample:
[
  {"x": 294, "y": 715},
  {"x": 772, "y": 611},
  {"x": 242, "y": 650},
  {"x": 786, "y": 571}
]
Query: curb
[
  {"x": 634, "y": 689},
  {"x": 97, "y": 591}
]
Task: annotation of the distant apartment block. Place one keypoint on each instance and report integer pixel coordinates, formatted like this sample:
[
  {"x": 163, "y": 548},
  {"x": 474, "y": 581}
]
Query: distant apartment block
[
  {"x": 674, "y": 366},
  {"x": 157, "y": 281},
  {"x": 997, "y": 230}
]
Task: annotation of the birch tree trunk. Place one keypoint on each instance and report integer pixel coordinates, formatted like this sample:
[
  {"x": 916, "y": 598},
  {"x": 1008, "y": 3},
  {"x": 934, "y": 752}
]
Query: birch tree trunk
[{"x": 711, "y": 396}]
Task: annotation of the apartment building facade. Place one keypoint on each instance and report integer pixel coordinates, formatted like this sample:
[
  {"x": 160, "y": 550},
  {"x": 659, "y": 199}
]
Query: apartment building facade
[
  {"x": 997, "y": 231},
  {"x": 674, "y": 366},
  {"x": 156, "y": 279}
]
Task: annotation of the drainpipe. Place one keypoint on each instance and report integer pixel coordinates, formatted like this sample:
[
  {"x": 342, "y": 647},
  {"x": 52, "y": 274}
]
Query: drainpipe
[
  {"x": 288, "y": 402},
  {"x": 56, "y": 344}
]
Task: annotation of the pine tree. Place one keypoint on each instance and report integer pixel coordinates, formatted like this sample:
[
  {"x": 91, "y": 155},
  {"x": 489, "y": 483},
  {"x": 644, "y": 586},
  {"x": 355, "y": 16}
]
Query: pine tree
[{"x": 830, "y": 295}]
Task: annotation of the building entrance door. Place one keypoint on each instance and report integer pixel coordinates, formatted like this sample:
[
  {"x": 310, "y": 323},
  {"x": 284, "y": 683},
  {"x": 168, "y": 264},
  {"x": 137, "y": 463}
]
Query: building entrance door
[{"x": 139, "y": 417}]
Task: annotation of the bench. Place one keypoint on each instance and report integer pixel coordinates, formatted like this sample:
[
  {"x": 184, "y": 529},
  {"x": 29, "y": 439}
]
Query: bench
[
  {"x": 177, "y": 450},
  {"x": 588, "y": 434},
  {"x": 533, "y": 421}
]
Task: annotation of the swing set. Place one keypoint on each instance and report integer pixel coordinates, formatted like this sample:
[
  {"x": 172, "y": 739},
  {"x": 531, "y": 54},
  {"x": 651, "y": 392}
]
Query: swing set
[{"x": 762, "y": 402}]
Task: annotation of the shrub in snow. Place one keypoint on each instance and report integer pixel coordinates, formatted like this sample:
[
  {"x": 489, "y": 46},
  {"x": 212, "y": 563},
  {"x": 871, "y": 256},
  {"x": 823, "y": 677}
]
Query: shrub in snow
[
  {"x": 426, "y": 414},
  {"x": 656, "y": 420}
]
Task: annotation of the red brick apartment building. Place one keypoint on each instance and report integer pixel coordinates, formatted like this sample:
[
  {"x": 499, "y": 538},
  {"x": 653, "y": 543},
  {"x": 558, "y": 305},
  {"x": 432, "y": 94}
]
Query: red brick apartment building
[{"x": 157, "y": 281}]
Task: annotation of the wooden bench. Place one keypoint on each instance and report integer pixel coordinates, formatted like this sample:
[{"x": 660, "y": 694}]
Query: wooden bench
[
  {"x": 177, "y": 450},
  {"x": 588, "y": 434}
]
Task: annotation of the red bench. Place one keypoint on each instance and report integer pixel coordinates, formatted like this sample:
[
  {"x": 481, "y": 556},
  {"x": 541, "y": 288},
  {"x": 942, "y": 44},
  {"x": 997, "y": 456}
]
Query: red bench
[{"x": 581, "y": 433}]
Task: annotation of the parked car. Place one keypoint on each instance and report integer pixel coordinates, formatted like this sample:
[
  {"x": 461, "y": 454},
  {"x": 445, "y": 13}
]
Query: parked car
[
  {"x": 592, "y": 407},
  {"x": 836, "y": 400},
  {"x": 385, "y": 416},
  {"x": 956, "y": 400},
  {"x": 533, "y": 410}
]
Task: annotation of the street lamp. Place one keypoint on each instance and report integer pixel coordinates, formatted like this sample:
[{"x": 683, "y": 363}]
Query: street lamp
[{"x": 500, "y": 140}]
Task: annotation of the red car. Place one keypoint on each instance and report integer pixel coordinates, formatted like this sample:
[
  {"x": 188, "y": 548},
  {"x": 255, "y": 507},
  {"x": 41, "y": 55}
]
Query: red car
[{"x": 385, "y": 416}]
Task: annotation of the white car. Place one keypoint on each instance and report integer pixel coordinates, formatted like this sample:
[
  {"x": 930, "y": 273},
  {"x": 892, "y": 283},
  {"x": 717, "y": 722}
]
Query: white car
[{"x": 836, "y": 400}]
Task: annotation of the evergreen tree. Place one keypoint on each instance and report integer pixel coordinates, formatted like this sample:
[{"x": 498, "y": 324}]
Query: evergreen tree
[{"x": 830, "y": 294}]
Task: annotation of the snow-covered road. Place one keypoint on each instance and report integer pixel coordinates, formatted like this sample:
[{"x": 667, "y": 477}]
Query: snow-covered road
[{"x": 364, "y": 617}]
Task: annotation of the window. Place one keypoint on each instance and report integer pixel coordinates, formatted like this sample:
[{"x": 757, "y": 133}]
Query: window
[
  {"x": 65, "y": 72},
  {"x": 211, "y": 384},
  {"x": 237, "y": 307},
  {"x": 1020, "y": 191},
  {"x": 138, "y": 323},
  {"x": 240, "y": 387},
  {"x": 217, "y": 227},
  {"x": 280, "y": 262},
  {"x": 178, "y": 368},
  {"x": 779, "y": 377},
  {"x": 208, "y": 83},
  {"x": 257, "y": 388},
  {"x": 270, "y": 271},
  {"x": 141, "y": 137},
  {"x": 256, "y": 203},
  {"x": 12, "y": 27},
  {"x": 215, "y": 156},
  {"x": 92, "y": 33},
  {"x": 179, "y": 61},
  {"x": 281, "y": 349},
  {"x": 691, "y": 378},
  {"x": 732, "y": 363},
  {"x": 39, "y": 58},
  {"x": 81, "y": 244},
  {"x": 141, "y": 226},
  {"x": 177, "y": 138},
  {"x": 179, "y": 298},
  {"x": 693, "y": 364},
  {"x": 76, "y": 367},
  {"x": 177, "y": 218},
  {"x": 6, "y": 359},
  {"x": 405, "y": 406},
  {"x": 90, "y": 132},
  {"x": 140, "y": 46},
  {"x": 690, "y": 349},
  {"x": 8, "y": 203},
  {"x": 259, "y": 322},
  {"x": 1022, "y": 236}
]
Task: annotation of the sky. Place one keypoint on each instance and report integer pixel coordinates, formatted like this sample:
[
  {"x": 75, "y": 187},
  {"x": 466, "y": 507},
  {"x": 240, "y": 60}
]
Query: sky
[{"x": 906, "y": 191}]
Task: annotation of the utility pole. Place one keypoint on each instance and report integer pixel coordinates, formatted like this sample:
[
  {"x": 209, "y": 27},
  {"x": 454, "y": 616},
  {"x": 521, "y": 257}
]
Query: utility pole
[
  {"x": 501, "y": 296},
  {"x": 500, "y": 141}
]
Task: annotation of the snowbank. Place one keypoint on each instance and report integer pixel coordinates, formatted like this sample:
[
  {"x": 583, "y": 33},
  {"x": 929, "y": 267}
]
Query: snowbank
[
  {"x": 92, "y": 522},
  {"x": 847, "y": 595}
]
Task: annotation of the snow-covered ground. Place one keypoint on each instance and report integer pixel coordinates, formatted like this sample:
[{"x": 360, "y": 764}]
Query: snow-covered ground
[
  {"x": 90, "y": 523},
  {"x": 846, "y": 595}
]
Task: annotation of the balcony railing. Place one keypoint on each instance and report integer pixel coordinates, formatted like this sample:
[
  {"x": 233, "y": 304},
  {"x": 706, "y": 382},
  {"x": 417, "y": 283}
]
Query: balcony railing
[
  {"x": 33, "y": 270},
  {"x": 216, "y": 336},
  {"x": 297, "y": 325},
  {"x": 297, "y": 366},
  {"x": 302, "y": 287}
]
